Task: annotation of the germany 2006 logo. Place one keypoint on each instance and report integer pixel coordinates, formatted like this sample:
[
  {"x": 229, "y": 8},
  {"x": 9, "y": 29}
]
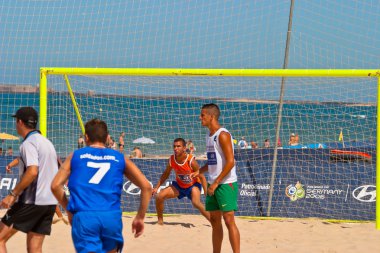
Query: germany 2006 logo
[{"x": 295, "y": 192}]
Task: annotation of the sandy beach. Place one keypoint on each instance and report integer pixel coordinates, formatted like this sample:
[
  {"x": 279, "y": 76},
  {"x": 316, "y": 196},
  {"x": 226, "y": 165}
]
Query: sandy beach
[{"x": 192, "y": 233}]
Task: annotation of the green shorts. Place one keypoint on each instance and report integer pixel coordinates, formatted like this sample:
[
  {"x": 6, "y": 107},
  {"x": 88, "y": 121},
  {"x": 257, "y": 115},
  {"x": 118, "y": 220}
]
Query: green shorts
[{"x": 224, "y": 198}]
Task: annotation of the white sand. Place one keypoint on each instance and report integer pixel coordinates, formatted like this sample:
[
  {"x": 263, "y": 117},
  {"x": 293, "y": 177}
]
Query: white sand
[{"x": 192, "y": 233}]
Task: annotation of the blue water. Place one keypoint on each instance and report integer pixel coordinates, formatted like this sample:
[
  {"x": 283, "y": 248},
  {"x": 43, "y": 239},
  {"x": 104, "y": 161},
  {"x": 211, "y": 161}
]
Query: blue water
[{"x": 164, "y": 119}]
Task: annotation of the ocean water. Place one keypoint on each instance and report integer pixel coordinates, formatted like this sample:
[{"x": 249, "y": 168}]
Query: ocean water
[{"x": 164, "y": 119}]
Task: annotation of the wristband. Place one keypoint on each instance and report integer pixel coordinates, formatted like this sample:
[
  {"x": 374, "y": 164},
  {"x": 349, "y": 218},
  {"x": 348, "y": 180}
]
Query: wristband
[{"x": 12, "y": 193}]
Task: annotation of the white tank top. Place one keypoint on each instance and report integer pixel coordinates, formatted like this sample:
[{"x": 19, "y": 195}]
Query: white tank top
[{"x": 216, "y": 159}]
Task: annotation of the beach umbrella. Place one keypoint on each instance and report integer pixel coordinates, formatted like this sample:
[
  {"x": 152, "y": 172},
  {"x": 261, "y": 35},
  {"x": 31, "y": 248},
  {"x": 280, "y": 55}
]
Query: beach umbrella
[
  {"x": 144, "y": 140},
  {"x": 5, "y": 136}
]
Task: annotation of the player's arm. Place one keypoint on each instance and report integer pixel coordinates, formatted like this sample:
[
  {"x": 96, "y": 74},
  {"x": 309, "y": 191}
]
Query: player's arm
[
  {"x": 12, "y": 164},
  {"x": 195, "y": 167},
  {"x": 29, "y": 176},
  {"x": 60, "y": 180},
  {"x": 133, "y": 173},
  {"x": 164, "y": 176},
  {"x": 226, "y": 145},
  {"x": 203, "y": 169}
]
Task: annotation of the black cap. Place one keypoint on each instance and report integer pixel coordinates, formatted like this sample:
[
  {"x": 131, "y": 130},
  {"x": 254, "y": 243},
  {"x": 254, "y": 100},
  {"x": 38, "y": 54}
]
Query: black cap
[{"x": 28, "y": 115}]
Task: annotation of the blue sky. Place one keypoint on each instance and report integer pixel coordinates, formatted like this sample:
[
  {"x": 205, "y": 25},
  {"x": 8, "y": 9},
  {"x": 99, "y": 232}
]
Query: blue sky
[{"x": 184, "y": 34}]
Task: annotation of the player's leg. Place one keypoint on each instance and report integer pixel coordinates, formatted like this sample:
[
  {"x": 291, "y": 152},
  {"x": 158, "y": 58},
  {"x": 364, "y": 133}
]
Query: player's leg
[
  {"x": 217, "y": 230},
  {"x": 216, "y": 222},
  {"x": 60, "y": 216},
  {"x": 196, "y": 201},
  {"x": 34, "y": 242},
  {"x": 86, "y": 227},
  {"x": 6, "y": 232},
  {"x": 233, "y": 231},
  {"x": 42, "y": 226},
  {"x": 111, "y": 231},
  {"x": 167, "y": 193},
  {"x": 226, "y": 195}
]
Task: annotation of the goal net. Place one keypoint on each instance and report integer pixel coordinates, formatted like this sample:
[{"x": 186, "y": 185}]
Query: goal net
[
  {"x": 334, "y": 113},
  {"x": 327, "y": 169}
]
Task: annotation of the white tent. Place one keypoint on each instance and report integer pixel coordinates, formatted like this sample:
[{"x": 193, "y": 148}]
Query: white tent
[{"x": 144, "y": 140}]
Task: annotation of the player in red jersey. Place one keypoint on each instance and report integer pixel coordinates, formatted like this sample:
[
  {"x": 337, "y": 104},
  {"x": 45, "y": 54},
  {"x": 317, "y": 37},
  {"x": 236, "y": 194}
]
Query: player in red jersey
[{"x": 184, "y": 186}]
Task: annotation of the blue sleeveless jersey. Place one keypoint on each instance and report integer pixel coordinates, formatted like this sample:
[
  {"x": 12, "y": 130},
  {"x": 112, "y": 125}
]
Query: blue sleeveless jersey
[{"x": 96, "y": 179}]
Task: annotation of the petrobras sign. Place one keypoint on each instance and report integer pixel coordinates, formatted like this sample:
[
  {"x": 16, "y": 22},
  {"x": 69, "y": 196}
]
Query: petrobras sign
[
  {"x": 365, "y": 193},
  {"x": 252, "y": 190}
]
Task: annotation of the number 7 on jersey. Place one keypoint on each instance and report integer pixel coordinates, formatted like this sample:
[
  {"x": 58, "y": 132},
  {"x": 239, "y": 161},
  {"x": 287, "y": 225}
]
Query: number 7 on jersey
[{"x": 103, "y": 168}]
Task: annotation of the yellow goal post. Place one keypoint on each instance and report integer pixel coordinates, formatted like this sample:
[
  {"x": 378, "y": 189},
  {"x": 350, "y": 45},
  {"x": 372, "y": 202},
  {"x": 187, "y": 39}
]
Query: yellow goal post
[{"x": 362, "y": 73}]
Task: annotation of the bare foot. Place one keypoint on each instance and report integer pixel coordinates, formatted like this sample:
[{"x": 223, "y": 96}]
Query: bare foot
[
  {"x": 65, "y": 220},
  {"x": 160, "y": 222},
  {"x": 56, "y": 220}
]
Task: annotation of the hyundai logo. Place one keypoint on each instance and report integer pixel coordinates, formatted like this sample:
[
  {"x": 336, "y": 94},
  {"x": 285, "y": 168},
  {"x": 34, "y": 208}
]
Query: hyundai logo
[
  {"x": 365, "y": 193},
  {"x": 131, "y": 188}
]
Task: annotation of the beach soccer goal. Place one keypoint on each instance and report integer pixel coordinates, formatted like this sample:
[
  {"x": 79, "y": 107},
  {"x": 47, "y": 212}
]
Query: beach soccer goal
[{"x": 311, "y": 134}]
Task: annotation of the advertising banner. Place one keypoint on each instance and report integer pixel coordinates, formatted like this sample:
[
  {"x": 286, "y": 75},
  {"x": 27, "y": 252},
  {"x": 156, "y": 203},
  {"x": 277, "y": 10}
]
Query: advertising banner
[{"x": 307, "y": 183}]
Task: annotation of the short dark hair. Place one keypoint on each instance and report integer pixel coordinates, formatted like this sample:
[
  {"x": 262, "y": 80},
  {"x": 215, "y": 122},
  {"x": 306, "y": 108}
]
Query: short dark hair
[
  {"x": 96, "y": 130},
  {"x": 212, "y": 109},
  {"x": 180, "y": 140}
]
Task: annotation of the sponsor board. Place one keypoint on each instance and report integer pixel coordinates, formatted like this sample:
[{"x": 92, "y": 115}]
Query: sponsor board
[
  {"x": 322, "y": 191},
  {"x": 294, "y": 192},
  {"x": 299, "y": 191},
  {"x": 252, "y": 190},
  {"x": 365, "y": 193},
  {"x": 131, "y": 189},
  {"x": 7, "y": 183},
  {"x": 318, "y": 194}
]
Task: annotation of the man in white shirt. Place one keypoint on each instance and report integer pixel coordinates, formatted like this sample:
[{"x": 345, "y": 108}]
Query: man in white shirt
[
  {"x": 222, "y": 190},
  {"x": 31, "y": 204}
]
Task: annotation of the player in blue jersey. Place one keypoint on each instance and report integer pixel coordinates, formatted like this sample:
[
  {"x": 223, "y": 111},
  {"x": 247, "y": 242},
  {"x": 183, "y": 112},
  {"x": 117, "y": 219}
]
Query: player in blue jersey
[{"x": 95, "y": 175}]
